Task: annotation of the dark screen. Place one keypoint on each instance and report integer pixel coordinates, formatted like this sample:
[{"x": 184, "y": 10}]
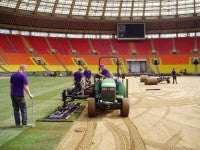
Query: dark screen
[{"x": 131, "y": 31}]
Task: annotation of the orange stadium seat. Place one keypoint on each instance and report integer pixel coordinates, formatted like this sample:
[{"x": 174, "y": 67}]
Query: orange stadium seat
[
  {"x": 159, "y": 46},
  {"x": 167, "y": 45},
  {"x": 175, "y": 59},
  {"x": 4, "y": 44},
  {"x": 56, "y": 45},
  {"x": 39, "y": 44},
  {"x": 18, "y": 58},
  {"x": 64, "y": 44},
  {"x": 122, "y": 47},
  {"x": 198, "y": 42},
  {"x": 49, "y": 58},
  {"x": 93, "y": 60},
  {"x": 66, "y": 59},
  {"x": 18, "y": 43},
  {"x": 105, "y": 46},
  {"x": 97, "y": 45},
  {"x": 143, "y": 47},
  {"x": 184, "y": 45},
  {"x": 81, "y": 45}
]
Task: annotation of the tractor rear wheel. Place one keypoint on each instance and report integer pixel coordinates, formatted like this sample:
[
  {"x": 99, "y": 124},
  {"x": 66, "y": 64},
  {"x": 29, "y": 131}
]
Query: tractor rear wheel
[
  {"x": 92, "y": 112},
  {"x": 125, "y": 107}
]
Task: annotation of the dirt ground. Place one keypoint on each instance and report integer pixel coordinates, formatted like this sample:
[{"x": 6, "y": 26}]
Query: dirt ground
[
  {"x": 168, "y": 119},
  {"x": 3, "y": 78}
]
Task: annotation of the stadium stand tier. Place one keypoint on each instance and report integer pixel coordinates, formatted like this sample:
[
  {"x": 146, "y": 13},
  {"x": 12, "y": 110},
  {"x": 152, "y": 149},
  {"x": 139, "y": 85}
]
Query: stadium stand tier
[{"x": 14, "y": 51}]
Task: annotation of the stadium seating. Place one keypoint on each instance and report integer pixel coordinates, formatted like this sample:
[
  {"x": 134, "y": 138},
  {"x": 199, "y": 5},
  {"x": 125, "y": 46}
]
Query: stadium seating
[
  {"x": 175, "y": 59},
  {"x": 4, "y": 44},
  {"x": 14, "y": 51},
  {"x": 39, "y": 44},
  {"x": 62, "y": 42},
  {"x": 18, "y": 43},
  {"x": 159, "y": 46},
  {"x": 18, "y": 58},
  {"x": 143, "y": 47},
  {"x": 97, "y": 45},
  {"x": 122, "y": 47},
  {"x": 105, "y": 46},
  {"x": 80, "y": 45},
  {"x": 184, "y": 45},
  {"x": 50, "y": 59},
  {"x": 56, "y": 45},
  {"x": 163, "y": 46},
  {"x": 198, "y": 42}
]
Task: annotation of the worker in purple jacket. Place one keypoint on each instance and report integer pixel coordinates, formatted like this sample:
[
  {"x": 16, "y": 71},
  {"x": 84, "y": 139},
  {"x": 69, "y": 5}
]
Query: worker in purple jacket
[
  {"x": 78, "y": 76},
  {"x": 19, "y": 84},
  {"x": 87, "y": 74},
  {"x": 174, "y": 76},
  {"x": 105, "y": 73}
]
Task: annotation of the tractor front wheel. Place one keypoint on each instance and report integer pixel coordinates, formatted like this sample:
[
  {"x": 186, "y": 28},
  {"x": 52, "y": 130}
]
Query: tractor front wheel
[
  {"x": 92, "y": 112},
  {"x": 125, "y": 107}
]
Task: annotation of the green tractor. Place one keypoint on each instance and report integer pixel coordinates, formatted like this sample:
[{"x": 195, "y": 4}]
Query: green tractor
[{"x": 108, "y": 95}]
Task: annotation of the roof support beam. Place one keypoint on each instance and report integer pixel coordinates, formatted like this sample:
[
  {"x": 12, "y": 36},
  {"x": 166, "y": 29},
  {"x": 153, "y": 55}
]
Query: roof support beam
[
  {"x": 37, "y": 6},
  {"x": 104, "y": 9},
  {"x": 71, "y": 9},
  {"x": 177, "y": 9},
  {"x": 144, "y": 6},
  {"x": 54, "y": 7},
  {"x": 88, "y": 8},
  {"x": 120, "y": 10},
  {"x": 195, "y": 8},
  {"x": 160, "y": 17},
  {"x": 17, "y": 6},
  {"x": 131, "y": 16}
]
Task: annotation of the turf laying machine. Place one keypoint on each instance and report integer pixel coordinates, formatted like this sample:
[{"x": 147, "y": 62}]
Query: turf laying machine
[{"x": 103, "y": 94}]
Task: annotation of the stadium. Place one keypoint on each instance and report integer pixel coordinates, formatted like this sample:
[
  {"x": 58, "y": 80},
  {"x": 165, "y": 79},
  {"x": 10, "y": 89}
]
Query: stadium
[{"x": 133, "y": 39}]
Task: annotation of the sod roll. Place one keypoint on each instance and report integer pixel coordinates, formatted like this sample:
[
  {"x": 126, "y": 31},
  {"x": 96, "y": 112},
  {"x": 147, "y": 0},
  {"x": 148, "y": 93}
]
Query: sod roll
[
  {"x": 151, "y": 81},
  {"x": 143, "y": 78}
]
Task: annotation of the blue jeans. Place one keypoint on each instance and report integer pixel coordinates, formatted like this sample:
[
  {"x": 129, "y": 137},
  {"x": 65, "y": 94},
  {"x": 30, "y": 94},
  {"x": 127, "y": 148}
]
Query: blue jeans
[
  {"x": 78, "y": 87},
  {"x": 19, "y": 103}
]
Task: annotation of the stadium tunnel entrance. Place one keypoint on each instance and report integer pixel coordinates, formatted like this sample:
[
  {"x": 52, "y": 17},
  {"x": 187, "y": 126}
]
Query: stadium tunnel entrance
[{"x": 138, "y": 66}]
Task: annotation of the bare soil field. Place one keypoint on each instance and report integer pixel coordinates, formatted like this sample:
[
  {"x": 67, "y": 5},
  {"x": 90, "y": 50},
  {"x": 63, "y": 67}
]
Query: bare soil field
[
  {"x": 3, "y": 78},
  {"x": 168, "y": 119}
]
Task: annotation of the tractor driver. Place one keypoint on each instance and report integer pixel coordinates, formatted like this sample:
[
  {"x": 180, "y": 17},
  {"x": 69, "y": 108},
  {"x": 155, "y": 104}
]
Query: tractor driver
[
  {"x": 105, "y": 73},
  {"x": 78, "y": 76}
]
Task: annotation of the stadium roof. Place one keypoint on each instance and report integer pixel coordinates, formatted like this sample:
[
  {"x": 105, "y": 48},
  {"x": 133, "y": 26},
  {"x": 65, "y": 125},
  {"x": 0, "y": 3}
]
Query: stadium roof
[{"x": 103, "y": 11}]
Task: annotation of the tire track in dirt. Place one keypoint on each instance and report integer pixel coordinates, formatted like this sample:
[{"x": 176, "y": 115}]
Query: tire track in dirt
[
  {"x": 135, "y": 138},
  {"x": 122, "y": 140},
  {"x": 167, "y": 103},
  {"x": 142, "y": 113},
  {"x": 97, "y": 143},
  {"x": 174, "y": 139},
  {"x": 86, "y": 140},
  {"x": 162, "y": 146},
  {"x": 82, "y": 134},
  {"x": 162, "y": 118}
]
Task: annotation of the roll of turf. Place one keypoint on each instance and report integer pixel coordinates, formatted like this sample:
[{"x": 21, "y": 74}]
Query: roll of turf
[
  {"x": 143, "y": 78},
  {"x": 151, "y": 81}
]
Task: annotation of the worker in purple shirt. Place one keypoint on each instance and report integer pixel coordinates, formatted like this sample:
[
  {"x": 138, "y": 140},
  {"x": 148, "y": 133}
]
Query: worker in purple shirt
[
  {"x": 105, "y": 73},
  {"x": 87, "y": 73},
  {"x": 174, "y": 76},
  {"x": 19, "y": 84},
  {"x": 78, "y": 76}
]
